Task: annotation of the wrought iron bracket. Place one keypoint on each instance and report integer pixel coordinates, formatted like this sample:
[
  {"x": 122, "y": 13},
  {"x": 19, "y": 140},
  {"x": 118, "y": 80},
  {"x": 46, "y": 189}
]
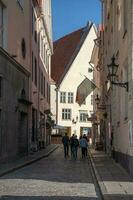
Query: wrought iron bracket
[{"x": 125, "y": 85}]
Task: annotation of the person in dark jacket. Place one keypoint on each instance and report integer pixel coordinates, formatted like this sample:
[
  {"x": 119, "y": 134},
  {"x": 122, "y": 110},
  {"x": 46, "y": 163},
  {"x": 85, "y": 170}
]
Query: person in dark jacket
[
  {"x": 65, "y": 141},
  {"x": 74, "y": 146},
  {"x": 71, "y": 144}
]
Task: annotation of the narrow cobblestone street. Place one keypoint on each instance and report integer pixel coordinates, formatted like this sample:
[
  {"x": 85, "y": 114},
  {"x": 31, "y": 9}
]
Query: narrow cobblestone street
[{"x": 52, "y": 178}]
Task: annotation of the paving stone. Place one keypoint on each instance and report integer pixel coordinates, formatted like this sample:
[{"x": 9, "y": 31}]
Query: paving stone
[
  {"x": 51, "y": 178},
  {"x": 118, "y": 185}
]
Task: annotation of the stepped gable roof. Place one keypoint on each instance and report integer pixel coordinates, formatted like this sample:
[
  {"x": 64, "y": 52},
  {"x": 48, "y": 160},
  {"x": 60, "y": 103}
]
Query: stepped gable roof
[{"x": 65, "y": 50}]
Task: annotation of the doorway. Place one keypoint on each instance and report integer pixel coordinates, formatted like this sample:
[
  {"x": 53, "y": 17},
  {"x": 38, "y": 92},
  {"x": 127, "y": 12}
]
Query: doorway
[{"x": 23, "y": 134}]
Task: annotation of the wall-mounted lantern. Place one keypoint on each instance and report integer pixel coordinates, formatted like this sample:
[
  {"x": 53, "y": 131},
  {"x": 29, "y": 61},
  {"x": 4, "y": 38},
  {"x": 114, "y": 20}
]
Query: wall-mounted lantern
[
  {"x": 112, "y": 68},
  {"x": 97, "y": 99}
]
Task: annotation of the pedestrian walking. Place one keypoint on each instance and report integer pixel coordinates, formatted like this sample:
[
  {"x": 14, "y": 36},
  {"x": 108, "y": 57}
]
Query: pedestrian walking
[
  {"x": 71, "y": 143},
  {"x": 65, "y": 141},
  {"x": 83, "y": 144},
  {"x": 74, "y": 146}
]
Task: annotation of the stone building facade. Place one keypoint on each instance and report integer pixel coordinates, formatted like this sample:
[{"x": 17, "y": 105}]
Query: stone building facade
[
  {"x": 14, "y": 108},
  {"x": 118, "y": 33},
  {"x": 28, "y": 40}
]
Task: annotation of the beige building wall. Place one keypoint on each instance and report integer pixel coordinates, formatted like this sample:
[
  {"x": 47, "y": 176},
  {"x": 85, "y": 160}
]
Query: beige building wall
[
  {"x": 26, "y": 36},
  {"x": 75, "y": 75},
  {"x": 16, "y": 28},
  {"x": 118, "y": 42}
]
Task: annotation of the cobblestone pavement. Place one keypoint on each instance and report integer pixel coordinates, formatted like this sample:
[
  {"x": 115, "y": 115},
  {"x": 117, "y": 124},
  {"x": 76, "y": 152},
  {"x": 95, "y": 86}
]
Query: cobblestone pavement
[{"x": 52, "y": 178}]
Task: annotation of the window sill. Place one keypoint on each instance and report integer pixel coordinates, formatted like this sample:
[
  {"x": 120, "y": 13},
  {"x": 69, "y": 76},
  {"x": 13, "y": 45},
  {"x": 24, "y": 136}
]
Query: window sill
[{"x": 83, "y": 121}]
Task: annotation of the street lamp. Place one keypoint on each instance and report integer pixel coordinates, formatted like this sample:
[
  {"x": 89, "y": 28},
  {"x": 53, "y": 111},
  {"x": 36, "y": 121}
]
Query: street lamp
[
  {"x": 97, "y": 100},
  {"x": 112, "y": 68}
]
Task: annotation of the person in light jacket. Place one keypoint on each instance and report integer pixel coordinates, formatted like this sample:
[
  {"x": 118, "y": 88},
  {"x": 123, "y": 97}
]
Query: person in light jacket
[{"x": 83, "y": 144}]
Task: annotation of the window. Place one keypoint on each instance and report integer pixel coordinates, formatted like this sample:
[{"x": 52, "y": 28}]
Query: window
[
  {"x": 66, "y": 114},
  {"x": 44, "y": 86},
  {"x": 41, "y": 45},
  {"x": 47, "y": 92},
  {"x": 35, "y": 36},
  {"x": 48, "y": 63},
  {"x": 70, "y": 97},
  {"x": 34, "y": 124},
  {"x": 44, "y": 56},
  {"x": 1, "y": 24},
  {"x": 35, "y": 72},
  {"x": 83, "y": 116},
  {"x": 32, "y": 67},
  {"x": 125, "y": 14},
  {"x": 39, "y": 79},
  {"x": 91, "y": 99},
  {"x": 63, "y": 97},
  {"x": 33, "y": 19},
  {"x": 41, "y": 83},
  {"x": 0, "y": 86}
]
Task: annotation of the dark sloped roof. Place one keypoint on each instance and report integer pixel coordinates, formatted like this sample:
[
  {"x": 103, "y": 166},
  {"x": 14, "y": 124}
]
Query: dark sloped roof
[{"x": 63, "y": 51}]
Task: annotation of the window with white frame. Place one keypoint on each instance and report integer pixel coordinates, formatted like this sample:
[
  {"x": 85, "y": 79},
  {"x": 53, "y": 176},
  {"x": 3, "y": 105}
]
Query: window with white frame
[
  {"x": 66, "y": 114},
  {"x": 70, "y": 97},
  {"x": 62, "y": 97},
  {"x": 83, "y": 116}
]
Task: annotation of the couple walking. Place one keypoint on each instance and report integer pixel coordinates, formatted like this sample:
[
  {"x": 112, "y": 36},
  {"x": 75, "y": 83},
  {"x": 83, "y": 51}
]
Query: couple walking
[{"x": 73, "y": 142}]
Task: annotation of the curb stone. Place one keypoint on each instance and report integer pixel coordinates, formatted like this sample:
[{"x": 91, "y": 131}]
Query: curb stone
[
  {"x": 101, "y": 185},
  {"x": 19, "y": 166}
]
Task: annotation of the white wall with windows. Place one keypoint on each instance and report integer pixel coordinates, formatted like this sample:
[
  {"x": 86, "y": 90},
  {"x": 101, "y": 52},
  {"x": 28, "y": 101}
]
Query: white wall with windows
[{"x": 69, "y": 113}]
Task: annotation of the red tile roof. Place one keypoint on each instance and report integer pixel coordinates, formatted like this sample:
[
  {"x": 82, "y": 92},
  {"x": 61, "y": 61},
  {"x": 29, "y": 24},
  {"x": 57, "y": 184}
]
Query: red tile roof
[{"x": 64, "y": 49}]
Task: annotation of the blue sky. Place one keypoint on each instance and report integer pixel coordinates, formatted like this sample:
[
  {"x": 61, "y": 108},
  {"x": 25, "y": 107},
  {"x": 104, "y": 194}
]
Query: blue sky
[{"x": 70, "y": 15}]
